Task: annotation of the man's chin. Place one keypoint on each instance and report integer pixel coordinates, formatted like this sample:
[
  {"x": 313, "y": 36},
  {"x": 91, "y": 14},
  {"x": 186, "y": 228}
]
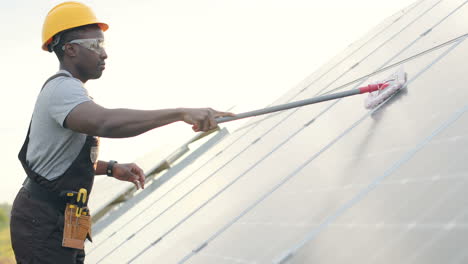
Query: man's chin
[{"x": 97, "y": 75}]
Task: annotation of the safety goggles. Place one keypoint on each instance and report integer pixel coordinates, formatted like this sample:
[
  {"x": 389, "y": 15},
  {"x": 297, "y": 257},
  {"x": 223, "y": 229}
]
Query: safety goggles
[{"x": 94, "y": 44}]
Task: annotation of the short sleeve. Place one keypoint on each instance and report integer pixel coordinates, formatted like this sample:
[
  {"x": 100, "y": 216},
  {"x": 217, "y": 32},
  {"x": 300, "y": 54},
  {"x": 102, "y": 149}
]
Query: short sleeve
[{"x": 65, "y": 97}]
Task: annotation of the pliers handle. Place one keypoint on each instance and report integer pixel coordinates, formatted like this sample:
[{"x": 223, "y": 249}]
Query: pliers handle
[{"x": 81, "y": 198}]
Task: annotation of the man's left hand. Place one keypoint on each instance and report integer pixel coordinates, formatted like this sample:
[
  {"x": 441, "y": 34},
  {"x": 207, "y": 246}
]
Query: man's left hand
[{"x": 129, "y": 172}]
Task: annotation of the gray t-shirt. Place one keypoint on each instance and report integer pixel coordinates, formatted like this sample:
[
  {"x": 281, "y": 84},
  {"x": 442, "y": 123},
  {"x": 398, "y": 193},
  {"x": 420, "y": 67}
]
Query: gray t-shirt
[{"x": 52, "y": 148}]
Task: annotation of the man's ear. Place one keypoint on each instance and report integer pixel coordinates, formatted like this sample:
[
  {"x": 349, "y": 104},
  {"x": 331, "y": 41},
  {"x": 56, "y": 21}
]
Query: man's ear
[{"x": 70, "y": 50}]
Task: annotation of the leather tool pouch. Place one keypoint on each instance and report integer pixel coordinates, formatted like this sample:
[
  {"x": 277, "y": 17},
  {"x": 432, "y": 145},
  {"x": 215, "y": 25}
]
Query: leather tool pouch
[{"x": 76, "y": 229}]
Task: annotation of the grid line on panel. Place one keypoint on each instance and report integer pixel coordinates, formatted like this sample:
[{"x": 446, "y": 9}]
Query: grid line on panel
[
  {"x": 433, "y": 206},
  {"x": 361, "y": 195},
  {"x": 383, "y": 69},
  {"x": 290, "y": 176},
  {"x": 230, "y": 259},
  {"x": 412, "y": 225},
  {"x": 386, "y": 41},
  {"x": 395, "y": 209},
  {"x": 357, "y": 186},
  {"x": 460, "y": 258},
  {"x": 397, "y": 33},
  {"x": 368, "y": 226},
  {"x": 443, "y": 19},
  {"x": 440, "y": 233},
  {"x": 389, "y": 183}
]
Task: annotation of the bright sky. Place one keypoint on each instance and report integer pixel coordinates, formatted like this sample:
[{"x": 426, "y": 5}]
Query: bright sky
[{"x": 177, "y": 53}]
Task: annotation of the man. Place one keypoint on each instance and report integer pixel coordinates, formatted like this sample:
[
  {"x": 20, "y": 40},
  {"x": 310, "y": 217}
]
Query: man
[{"x": 49, "y": 219}]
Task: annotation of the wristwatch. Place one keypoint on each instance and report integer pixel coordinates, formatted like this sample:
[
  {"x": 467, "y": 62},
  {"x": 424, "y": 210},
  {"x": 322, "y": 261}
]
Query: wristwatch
[{"x": 110, "y": 168}]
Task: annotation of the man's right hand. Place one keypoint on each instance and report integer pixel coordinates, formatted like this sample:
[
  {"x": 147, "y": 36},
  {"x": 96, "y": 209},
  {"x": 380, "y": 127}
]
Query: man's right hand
[{"x": 202, "y": 119}]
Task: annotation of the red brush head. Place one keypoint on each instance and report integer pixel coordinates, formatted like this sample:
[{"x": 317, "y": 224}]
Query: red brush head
[{"x": 373, "y": 87}]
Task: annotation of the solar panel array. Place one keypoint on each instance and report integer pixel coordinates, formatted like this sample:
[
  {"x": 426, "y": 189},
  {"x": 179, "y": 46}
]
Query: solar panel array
[{"x": 331, "y": 182}]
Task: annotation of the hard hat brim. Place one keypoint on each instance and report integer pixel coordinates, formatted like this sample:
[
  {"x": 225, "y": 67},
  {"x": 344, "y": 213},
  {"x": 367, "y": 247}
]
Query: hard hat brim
[{"x": 103, "y": 26}]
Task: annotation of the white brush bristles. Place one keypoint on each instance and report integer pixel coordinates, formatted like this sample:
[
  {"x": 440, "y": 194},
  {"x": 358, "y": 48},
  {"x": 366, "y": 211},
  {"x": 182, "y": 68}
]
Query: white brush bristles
[{"x": 396, "y": 82}]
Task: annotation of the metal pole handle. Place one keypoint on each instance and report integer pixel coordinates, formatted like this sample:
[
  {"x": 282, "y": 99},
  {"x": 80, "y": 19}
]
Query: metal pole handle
[{"x": 287, "y": 106}]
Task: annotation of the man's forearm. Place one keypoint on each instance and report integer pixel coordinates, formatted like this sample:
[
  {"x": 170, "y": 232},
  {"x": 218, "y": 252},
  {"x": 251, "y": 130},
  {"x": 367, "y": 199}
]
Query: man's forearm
[
  {"x": 92, "y": 119},
  {"x": 101, "y": 167},
  {"x": 128, "y": 123}
]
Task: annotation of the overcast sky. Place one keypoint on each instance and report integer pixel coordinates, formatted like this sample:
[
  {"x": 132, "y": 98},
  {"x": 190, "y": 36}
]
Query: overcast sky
[{"x": 177, "y": 53}]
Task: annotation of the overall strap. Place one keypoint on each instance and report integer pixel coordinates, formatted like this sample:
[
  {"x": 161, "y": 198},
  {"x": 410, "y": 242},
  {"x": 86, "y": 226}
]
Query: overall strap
[
  {"x": 53, "y": 77},
  {"x": 24, "y": 148}
]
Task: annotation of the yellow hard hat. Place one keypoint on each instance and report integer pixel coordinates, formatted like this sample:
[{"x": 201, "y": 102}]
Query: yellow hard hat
[{"x": 65, "y": 16}]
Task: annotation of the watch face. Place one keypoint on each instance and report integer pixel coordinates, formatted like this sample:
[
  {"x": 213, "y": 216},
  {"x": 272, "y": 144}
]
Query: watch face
[{"x": 110, "y": 166}]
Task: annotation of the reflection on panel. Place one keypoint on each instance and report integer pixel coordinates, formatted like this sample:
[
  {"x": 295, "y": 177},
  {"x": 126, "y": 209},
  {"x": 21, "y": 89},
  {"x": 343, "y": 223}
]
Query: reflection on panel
[{"x": 417, "y": 214}]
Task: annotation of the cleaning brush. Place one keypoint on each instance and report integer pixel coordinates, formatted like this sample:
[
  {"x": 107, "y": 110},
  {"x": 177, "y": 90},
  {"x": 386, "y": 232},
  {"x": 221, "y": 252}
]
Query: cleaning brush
[
  {"x": 386, "y": 89},
  {"x": 378, "y": 93}
]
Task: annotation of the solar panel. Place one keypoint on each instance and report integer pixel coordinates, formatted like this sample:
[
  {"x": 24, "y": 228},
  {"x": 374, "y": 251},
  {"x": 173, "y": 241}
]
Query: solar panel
[
  {"x": 332, "y": 182},
  {"x": 281, "y": 211}
]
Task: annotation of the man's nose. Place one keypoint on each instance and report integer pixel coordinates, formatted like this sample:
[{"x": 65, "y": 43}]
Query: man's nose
[{"x": 103, "y": 54}]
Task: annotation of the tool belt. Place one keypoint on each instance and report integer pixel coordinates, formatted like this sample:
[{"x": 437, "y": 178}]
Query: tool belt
[
  {"x": 76, "y": 228},
  {"x": 77, "y": 220}
]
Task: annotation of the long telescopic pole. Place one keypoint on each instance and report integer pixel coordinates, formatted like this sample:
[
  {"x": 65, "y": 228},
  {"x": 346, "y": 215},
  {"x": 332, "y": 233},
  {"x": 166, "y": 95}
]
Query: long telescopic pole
[{"x": 314, "y": 100}]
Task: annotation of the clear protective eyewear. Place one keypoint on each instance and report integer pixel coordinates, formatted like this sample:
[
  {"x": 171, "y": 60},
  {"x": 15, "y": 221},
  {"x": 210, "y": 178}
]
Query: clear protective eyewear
[{"x": 94, "y": 44}]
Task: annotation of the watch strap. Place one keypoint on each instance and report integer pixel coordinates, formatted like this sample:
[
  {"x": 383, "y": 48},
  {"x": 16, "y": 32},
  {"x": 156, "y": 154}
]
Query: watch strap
[{"x": 110, "y": 168}]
